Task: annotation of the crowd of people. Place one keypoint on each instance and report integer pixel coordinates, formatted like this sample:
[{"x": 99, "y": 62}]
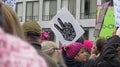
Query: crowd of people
[{"x": 26, "y": 46}]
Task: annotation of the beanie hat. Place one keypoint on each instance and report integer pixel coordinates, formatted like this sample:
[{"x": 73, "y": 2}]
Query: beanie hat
[
  {"x": 31, "y": 28},
  {"x": 88, "y": 44},
  {"x": 16, "y": 53},
  {"x": 45, "y": 36},
  {"x": 73, "y": 49}
]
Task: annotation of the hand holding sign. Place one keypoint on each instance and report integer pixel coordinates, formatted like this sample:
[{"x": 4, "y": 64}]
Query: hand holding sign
[{"x": 66, "y": 30}]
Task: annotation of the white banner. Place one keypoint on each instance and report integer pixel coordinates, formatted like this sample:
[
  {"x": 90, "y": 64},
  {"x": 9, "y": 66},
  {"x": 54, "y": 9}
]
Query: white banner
[
  {"x": 117, "y": 12},
  {"x": 65, "y": 27}
]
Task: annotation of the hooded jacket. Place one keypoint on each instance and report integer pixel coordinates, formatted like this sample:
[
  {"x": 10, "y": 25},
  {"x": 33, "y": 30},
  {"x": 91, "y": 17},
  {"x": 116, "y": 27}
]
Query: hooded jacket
[{"x": 70, "y": 62}]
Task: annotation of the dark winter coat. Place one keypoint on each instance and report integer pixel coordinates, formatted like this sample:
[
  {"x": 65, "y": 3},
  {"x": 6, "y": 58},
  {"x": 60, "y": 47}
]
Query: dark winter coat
[
  {"x": 110, "y": 54},
  {"x": 71, "y": 62},
  {"x": 90, "y": 62}
]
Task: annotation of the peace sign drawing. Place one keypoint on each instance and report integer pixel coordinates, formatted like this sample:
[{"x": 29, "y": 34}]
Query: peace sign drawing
[
  {"x": 65, "y": 27},
  {"x": 67, "y": 30}
]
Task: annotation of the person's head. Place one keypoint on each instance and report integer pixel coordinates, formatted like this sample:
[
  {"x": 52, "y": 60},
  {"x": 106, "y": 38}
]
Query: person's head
[
  {"x": 11, "y": 23},
  {"x": 49, "y": 47},
  {"x": 94, "y": 49},
  {"x": 88, "y": 45},
  {"x": 100, "y": 44},
  {"x": 52, "y": 50},
  {"x": 76, "y": 51},
  {"x": 15, "y": 52},
  {"x": 32, "y": 30}
]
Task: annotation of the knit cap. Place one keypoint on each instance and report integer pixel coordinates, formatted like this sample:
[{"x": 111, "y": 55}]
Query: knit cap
[
  {"x": 88, "y": 44},
  {"x": 32, "y": 28},
  {"x": 17, "y": 53},
  {"x": 73, "y": 49},
  {"x": 45, "y": 36}
]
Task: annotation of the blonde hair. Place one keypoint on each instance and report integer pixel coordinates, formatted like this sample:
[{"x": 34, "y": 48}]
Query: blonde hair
[
  {"x": 11, "y": 23},
  {"x": 50, "y": 47}
]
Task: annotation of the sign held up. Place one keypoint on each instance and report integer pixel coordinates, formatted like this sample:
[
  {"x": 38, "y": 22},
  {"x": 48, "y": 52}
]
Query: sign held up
[
  {"x": 65, "y": 27},
  {"x": 117, "y": 12}
]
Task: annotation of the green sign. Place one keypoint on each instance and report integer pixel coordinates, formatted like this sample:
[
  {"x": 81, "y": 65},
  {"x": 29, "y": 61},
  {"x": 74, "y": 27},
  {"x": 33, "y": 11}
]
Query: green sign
[{"x": 108, "y": 24}]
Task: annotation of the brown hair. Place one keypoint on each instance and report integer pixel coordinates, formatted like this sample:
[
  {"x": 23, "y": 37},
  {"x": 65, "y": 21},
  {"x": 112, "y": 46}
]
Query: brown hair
[
  {"x": 11, "y": 23},
  {"x": 118, "y": 51}
]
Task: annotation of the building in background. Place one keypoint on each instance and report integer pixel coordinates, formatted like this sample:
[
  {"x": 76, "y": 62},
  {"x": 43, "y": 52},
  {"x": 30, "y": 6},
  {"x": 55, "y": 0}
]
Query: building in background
[{"x": 84, "y": 11}]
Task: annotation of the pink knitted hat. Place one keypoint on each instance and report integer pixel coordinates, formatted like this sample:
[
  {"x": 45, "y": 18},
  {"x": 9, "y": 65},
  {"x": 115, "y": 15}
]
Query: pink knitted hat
[
  {"x": 88, "y": 44},
  {"x": 73, "y": 49},
  {"x": 17, "y": 53},
  {"x": 45, "y": 36}
]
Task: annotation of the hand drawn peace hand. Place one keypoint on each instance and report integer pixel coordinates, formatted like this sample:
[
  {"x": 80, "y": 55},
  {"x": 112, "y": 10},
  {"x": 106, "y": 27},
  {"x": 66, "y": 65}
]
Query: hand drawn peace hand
[{"x": 66, "y": 30}]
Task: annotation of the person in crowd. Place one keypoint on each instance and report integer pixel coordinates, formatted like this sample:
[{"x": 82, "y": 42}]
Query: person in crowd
[
  {"x": 15, "y": 52},
  {"x": 52, "y": 49},
  {"x": 74, "y": 55},
  {"x": 10, "y": 22},
  {"x": 95, "y": 52},
  {"x": 88, "y": 45},
  {"x": 32, "y": 32},
  {"x": 98, "y": 47},
  {"x": 110, "y": 56},
  {"x": 45, "y": 36}
]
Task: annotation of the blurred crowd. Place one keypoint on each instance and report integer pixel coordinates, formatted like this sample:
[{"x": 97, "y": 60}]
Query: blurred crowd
[{"x": 29, "y": 46}]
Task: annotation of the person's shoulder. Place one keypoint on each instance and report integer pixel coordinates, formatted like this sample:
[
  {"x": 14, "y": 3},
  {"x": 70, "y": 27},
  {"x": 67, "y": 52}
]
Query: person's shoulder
[
  {"x": 48, "y": 59},
  {"x": 90, "y": 62}
]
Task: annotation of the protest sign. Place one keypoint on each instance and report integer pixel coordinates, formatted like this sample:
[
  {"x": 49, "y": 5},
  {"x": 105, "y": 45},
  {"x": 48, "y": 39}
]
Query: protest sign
[
  {"x": 117, "y": 12},
  {"x": 65, "y": 27},
  {"x": 108, "y": 25},
  {"x": 11, "y": 3},
  {"x": 100, "y": 19}
]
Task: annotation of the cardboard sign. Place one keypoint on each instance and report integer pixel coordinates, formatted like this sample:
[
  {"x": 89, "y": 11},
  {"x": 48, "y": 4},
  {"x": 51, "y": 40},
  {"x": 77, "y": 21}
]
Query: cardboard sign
[
  {"x": 65, "y": 27},
  {"x": 108, "y": 25},
  {"x": 100, "y": 19},
  {"x": 117, "y": 12}
]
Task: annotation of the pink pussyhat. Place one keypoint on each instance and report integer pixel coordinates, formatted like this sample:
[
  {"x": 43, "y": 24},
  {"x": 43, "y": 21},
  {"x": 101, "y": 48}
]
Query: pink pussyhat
[
  {"x": 72, "y": 49},
  {"x": 88, "y": 44}
]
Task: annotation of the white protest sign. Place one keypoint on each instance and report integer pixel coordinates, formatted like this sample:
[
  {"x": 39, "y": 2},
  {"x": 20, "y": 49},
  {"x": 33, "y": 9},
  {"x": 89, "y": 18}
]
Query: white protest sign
[
  {"x": 65, "y": 27},
  {"x": 117, "y": 12}
]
